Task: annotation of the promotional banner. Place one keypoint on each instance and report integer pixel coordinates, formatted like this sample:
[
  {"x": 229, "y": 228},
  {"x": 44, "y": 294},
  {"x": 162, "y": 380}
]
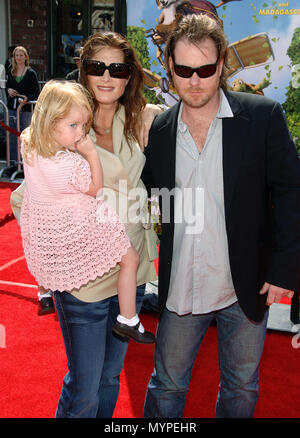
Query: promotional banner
[{"x": 264, "y": 55}]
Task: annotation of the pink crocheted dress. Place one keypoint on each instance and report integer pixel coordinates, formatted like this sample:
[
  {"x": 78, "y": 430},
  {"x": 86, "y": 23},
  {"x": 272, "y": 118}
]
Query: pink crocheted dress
[{"x": 68, "y": 237}]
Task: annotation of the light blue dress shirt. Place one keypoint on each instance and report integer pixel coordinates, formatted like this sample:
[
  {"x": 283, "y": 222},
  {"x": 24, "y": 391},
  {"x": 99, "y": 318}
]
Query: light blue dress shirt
[{"x": 201, "y": 279}]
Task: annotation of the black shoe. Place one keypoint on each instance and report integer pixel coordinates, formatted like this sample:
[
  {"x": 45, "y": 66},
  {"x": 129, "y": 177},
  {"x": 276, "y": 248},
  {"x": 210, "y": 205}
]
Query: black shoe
[
  {"x": 133, "y": 332},
  {"x": 46, "y": 306}
]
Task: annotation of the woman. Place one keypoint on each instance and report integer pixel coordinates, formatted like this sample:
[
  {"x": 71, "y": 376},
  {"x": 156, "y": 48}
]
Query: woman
[
  {"x": 22, "y": 82},
  {"x": 110, "y": 71}
]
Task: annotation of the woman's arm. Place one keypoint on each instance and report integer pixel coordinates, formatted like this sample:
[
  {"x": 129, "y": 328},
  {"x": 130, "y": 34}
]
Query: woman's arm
[
  {"x": 148, "y": 115},
  {"x": 16, "y": 200}
]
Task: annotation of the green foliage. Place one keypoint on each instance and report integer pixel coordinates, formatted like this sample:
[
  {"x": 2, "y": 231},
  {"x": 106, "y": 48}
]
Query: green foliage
[
  {"x": 137, "y": 38},
  {"x": 150, "y": 96},
  {"x": 294, "y": 50},
  {"x": 293, "y": 121},
  {"x": 292, "y": 104}
]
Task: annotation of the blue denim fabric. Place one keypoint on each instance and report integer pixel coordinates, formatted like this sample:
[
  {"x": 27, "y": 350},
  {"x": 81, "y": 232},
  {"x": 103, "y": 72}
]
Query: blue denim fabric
[
  {"x": 240, "y": 345},
  {"x": 95, "y": 356},
  {"x": 25, "y": 120}
]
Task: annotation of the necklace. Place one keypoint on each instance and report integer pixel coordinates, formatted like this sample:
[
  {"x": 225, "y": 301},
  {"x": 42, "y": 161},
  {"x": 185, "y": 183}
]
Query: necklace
[{"x": 104, "y": 130}]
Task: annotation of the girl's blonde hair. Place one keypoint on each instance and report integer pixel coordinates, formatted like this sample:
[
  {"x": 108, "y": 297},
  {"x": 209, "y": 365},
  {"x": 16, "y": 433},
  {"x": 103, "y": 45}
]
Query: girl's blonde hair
[
  {"x": 13, "y": 61},
  {"x": 54, "y": 103}
]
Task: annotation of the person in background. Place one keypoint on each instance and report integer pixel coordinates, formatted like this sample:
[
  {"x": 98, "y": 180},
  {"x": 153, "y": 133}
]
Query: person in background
[
  {"x": 8, "y": 61},
  {"x": 73, "y": 75},
  {"x": 231, "y": 246},
  {"x": 22, "y": 83}
]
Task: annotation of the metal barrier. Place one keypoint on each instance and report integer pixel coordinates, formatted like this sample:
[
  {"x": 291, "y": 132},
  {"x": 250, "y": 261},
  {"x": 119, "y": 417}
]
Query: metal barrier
[
  {"x": 22, "y": 103},
  {"x": 19, "y": 169},
  {"x": 7, "y": 137}
]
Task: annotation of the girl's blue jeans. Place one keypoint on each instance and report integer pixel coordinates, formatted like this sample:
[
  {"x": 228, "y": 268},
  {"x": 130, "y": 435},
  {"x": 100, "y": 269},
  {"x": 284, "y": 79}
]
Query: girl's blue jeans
[{"x": 95, "y": 355}]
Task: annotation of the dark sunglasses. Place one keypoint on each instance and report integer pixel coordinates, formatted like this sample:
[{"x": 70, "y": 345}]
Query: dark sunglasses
[
  {"x": 205, "y": 71},
  {"x": 116, "y": 69}
]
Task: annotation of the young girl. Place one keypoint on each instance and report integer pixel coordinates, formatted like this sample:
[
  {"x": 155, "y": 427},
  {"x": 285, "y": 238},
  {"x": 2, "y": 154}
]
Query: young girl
[{"x": 69, "y": 236}]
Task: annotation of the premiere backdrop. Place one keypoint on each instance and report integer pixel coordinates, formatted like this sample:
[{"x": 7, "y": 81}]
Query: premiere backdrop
[{"x": 265, "y": 47}]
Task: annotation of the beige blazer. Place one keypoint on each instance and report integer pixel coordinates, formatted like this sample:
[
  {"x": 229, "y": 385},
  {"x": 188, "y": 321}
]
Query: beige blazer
[{"x": 122, "y": 185}]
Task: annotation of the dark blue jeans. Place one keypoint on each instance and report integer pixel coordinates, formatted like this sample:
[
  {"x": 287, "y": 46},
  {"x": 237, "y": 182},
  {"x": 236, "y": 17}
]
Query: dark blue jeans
[
  {"x": 240, "y": 345},
  {"x": 25, "y": 119},
  {"x": 95, "y": 355}
]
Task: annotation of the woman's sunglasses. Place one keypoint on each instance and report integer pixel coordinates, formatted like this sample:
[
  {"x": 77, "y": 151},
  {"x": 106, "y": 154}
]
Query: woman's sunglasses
[
  {"x": 116, "y": 69},
  {"x": 205, "y": 71}
]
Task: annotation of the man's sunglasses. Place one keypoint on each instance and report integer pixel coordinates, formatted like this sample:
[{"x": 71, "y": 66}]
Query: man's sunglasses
[
  {"x": 205, "y": 71},
  {"x": 116, "y": 69}
]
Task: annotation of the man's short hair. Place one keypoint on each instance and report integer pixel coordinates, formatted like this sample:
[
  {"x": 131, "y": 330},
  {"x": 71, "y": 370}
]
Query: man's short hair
[{"x": 193, "y": 29}]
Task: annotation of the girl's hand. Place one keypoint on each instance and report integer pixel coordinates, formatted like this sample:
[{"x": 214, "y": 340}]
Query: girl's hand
[{"x": 85, "y": 146}]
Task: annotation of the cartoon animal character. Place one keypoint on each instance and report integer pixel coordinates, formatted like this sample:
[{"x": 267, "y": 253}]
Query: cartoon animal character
[
  {"x": 172, "y": 12},
  {"x": 168, "y": 7},
  {"x": 173, "y": 8},
  {"x": 240, "y": 85},
  {"x": 167, "y": 20},
  {"x": 224, "y": 2},
  {"x": 200, "y": 7}
]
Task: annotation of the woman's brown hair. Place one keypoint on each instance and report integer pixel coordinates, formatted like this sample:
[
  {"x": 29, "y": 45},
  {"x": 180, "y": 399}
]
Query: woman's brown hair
[{"x": 132, "y": 99}]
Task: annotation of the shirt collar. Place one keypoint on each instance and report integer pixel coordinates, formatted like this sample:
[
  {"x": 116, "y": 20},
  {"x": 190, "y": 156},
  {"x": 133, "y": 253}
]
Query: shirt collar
[{"x": 224, "y": 107}]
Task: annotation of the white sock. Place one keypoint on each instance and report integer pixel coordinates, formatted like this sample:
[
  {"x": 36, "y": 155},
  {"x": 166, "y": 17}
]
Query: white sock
[
  {"x": 131, "y": 322},
  {"x": 45, "y": 295}
]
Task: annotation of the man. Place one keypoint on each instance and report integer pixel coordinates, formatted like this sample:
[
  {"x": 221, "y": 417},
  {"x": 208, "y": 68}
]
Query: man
[
  {"x": 235, "y": 150},
  {"x": 8, "y": 61},
  {"x": 74, "y": 75}
]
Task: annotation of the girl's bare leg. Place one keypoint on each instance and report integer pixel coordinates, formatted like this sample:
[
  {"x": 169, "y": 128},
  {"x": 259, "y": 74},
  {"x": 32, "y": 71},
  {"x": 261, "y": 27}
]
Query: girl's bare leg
[
  {"x": 127, "y": 283},
  {"x": 128, "y": 323}
]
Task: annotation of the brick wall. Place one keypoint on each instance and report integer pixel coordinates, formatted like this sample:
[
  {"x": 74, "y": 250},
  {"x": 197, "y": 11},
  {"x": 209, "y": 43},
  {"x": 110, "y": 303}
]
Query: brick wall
[{"x": 24, "y": 14}]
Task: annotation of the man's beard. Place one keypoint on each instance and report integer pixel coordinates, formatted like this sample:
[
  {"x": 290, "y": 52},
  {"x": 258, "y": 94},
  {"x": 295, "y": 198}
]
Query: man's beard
[{"x": 195, "y": 101}]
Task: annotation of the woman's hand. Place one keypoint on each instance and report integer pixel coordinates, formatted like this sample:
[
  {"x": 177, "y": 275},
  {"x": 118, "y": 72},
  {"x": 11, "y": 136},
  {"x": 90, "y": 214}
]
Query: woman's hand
[
  {"x": 22, "y": 98},
  {"x": 148, "y": 115},
  {"x": 12, "y": 93}
]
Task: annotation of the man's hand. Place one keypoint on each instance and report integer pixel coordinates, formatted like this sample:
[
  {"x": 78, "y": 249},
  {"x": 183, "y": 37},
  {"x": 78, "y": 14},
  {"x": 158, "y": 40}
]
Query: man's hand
[{"x": 275, "y": 293}]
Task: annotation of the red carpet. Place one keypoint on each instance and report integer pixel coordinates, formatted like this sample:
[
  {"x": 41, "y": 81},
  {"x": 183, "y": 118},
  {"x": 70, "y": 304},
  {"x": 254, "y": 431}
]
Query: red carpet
[{"x": 33, "y": 363}]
